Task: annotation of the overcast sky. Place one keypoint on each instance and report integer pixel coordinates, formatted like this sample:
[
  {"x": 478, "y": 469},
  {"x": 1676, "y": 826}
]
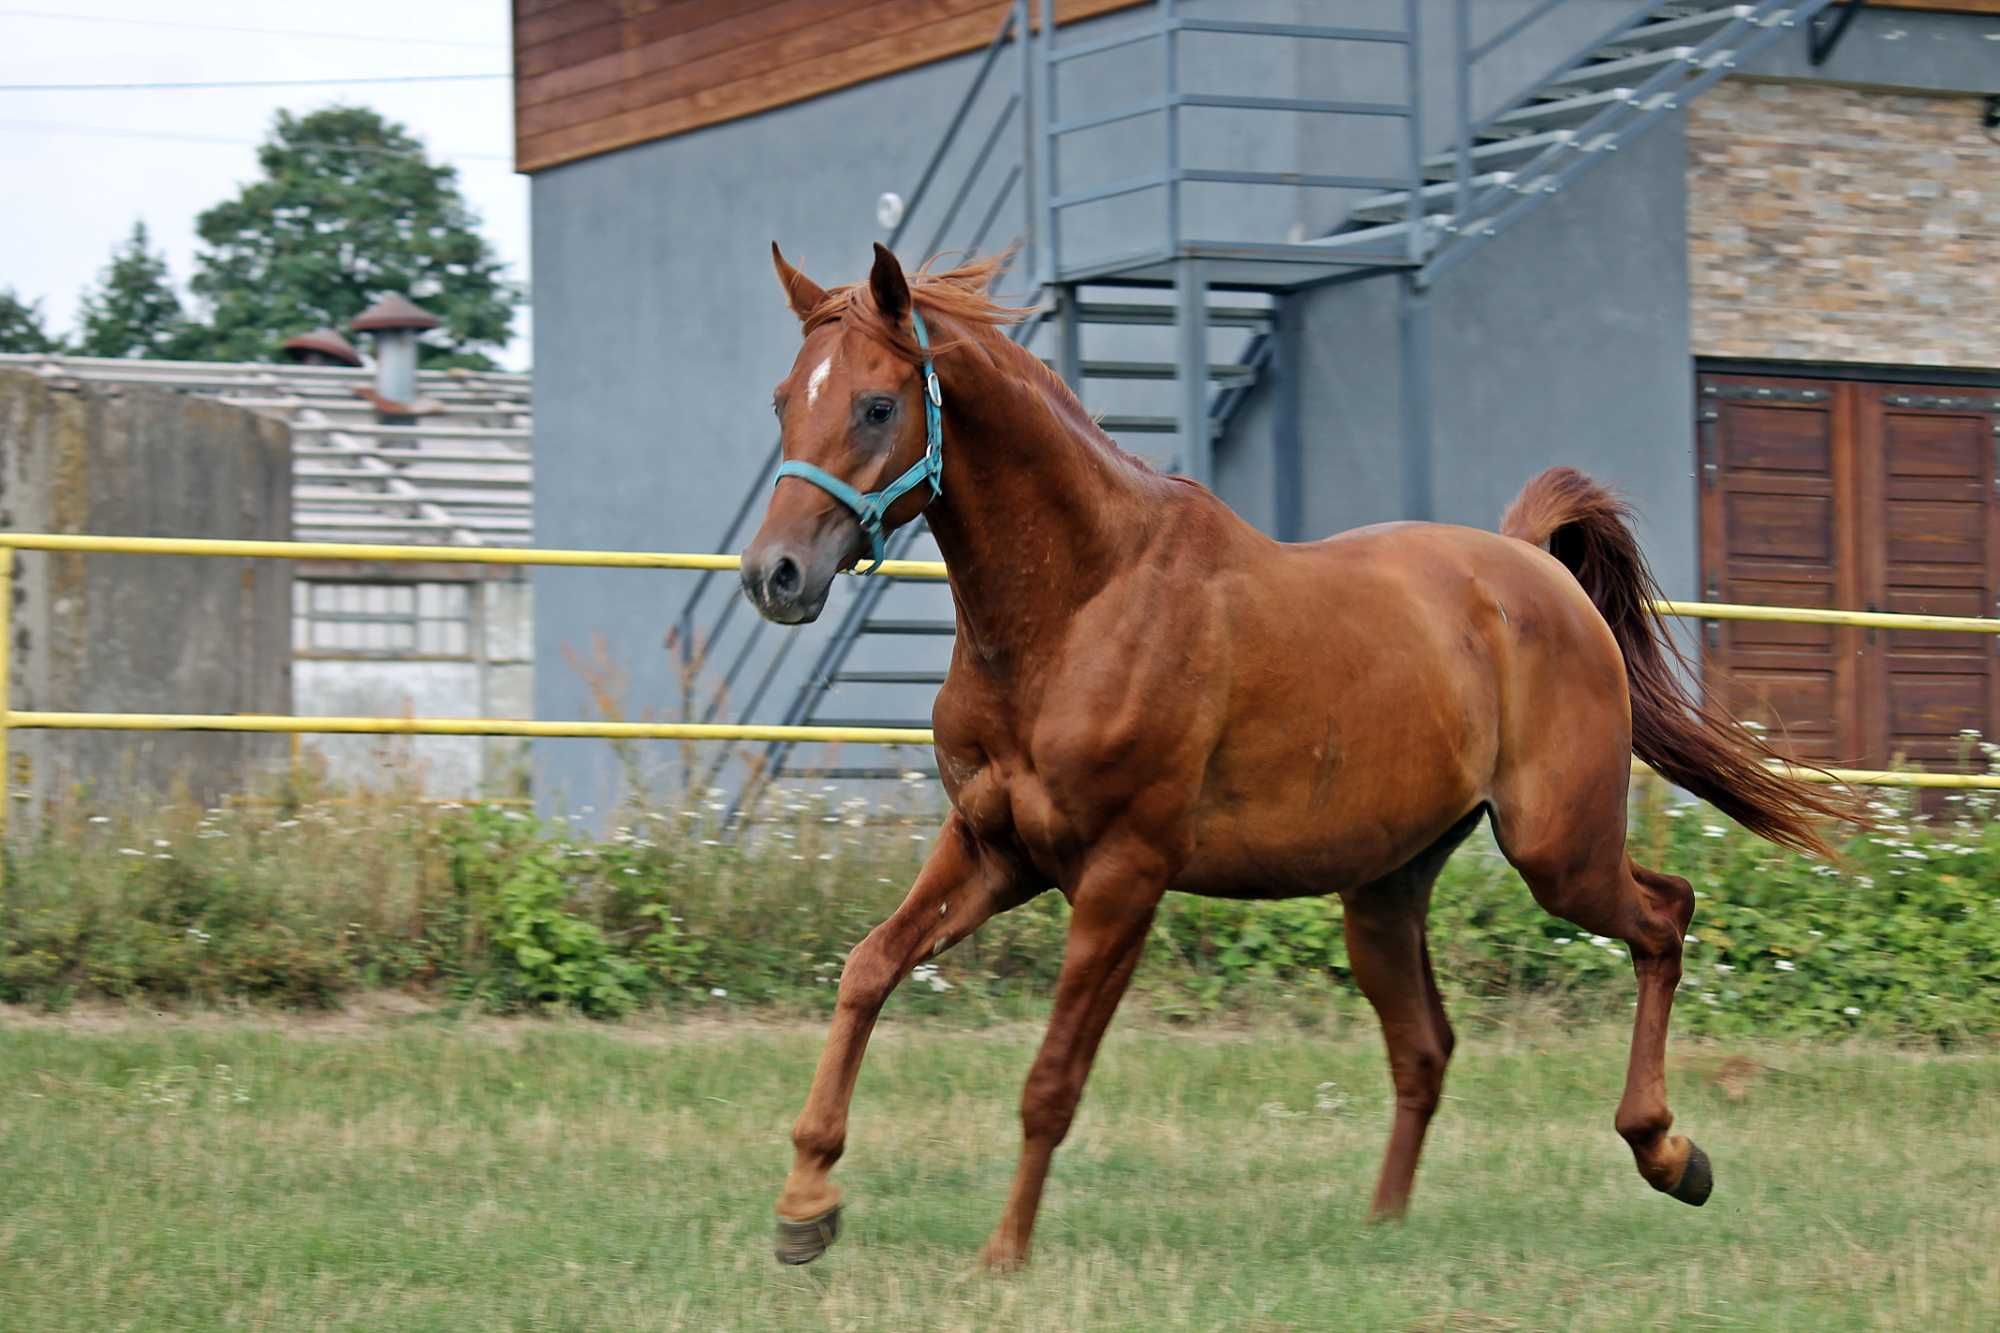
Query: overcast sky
[{"x": 78, "y": 167}]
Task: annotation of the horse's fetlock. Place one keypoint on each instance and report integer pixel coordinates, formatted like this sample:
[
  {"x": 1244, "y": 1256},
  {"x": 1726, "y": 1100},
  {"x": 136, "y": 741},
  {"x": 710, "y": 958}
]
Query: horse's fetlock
[
  {"x": 1642, "y": 1128},
  {"x": 819, "y": 1143}
]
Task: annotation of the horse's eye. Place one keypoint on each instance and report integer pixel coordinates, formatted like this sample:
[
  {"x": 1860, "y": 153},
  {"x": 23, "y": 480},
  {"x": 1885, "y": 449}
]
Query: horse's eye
[{"x": 880, "y": 411}]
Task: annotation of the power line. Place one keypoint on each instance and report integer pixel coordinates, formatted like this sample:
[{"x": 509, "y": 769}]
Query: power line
[
  {"x": 228, "y": 27},
  {"x": 238, "y": 83},
  {"x": 112, "y": 132}
]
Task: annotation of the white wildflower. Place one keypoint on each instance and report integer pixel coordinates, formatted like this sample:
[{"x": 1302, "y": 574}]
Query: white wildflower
[
  {"x": 1787, "y": 965},
  {"x": 718, "y": 992}
]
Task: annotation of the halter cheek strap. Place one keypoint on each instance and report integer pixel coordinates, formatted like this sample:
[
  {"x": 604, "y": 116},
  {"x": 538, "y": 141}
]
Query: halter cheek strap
[{"x": 871, "y": 508}]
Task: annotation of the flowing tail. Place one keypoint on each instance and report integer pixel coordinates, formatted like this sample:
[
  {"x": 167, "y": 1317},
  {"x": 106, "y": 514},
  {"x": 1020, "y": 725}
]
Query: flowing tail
[{"x": 1692, "y": 744}]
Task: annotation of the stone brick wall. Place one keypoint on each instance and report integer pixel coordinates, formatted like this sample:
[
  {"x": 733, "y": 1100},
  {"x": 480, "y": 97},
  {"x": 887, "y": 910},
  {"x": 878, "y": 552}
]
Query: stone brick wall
[{"x": 1829, "y": 223}]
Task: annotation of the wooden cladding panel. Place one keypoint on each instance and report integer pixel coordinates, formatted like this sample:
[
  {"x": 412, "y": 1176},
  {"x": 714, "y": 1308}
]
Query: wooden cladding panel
[
  {"x": 1815, "y": 493},
  {"x": 595, "y": 75}
]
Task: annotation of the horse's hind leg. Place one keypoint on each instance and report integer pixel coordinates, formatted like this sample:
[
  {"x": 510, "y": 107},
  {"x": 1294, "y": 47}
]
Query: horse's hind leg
[
  {"x": 1390, "y": 956},
  {"x": 1578, "y": 870}
]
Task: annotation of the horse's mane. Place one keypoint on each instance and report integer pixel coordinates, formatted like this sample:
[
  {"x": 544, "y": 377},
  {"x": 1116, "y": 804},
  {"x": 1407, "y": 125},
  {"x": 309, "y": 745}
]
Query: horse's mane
[
  {"x": 958, "y": 294},
  {"x": 961, "y": 295}
]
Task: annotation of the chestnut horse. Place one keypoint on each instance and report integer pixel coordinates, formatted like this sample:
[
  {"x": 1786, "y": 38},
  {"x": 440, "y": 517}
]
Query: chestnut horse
[{"x": 1147, "y": 694}]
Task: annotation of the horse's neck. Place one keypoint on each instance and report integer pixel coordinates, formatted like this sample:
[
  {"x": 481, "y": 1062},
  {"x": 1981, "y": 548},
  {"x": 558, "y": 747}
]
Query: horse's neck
[{"x": 1036, "y": 515}]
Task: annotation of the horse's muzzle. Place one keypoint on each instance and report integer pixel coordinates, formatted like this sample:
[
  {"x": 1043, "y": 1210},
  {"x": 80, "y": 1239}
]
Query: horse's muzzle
[{"x": 783, "y": 588}]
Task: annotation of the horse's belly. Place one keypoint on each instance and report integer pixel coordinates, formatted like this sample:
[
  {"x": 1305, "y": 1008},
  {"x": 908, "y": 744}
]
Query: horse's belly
[
  {"x": 1309, "y": 862},
  {"x": 1331, "y": 811}
]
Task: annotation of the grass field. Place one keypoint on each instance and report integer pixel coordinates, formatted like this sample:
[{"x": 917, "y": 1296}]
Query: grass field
[{"x": 406, "y": 1171}]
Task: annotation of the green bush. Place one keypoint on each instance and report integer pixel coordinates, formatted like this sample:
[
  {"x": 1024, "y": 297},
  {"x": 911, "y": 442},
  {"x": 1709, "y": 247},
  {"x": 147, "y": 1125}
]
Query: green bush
[{"x": 302, "y": 902}]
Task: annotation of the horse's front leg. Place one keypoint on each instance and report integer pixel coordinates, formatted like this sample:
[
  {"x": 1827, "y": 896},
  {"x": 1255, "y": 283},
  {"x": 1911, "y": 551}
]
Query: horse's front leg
[
  {"x": 962, "y": 884},
  {"x": 1111, "y": 911}
]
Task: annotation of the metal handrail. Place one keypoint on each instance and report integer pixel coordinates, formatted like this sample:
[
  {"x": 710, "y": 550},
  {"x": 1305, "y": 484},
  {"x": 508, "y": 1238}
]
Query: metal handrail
[
  {"x": 1170, "y": 100},
  {"x": 1467, "y": 56},
  {"x": 1533, "y": 178}
]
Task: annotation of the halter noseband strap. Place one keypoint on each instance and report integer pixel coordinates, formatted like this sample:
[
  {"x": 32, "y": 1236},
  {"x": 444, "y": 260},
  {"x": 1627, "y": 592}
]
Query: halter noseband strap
[{"x": 872, "y": 508}]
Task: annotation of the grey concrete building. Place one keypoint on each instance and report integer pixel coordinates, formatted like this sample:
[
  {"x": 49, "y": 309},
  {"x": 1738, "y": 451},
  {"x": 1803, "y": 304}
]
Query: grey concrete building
[{"x": 1738, "y": 260}]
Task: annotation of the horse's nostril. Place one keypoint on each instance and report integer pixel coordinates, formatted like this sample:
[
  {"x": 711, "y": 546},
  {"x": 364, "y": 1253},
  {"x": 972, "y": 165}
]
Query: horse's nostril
[{"x": 784, "y": 580}]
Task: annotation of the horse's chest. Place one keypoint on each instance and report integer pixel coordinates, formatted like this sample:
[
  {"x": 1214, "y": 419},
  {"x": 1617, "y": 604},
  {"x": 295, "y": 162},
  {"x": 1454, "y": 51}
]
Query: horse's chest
[{"x": 1007, "y": 805}]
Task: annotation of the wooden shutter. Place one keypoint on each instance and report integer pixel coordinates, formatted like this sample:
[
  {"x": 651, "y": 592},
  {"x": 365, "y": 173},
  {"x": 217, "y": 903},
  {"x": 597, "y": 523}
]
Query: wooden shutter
[
  {"x": 1930, "y": 531},
  {"x": 1772, "y": 466}
]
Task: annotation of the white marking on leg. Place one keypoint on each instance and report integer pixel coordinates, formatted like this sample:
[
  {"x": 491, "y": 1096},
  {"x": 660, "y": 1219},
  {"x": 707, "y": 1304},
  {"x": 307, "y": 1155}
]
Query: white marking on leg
[{"x": 817, "y": 381}]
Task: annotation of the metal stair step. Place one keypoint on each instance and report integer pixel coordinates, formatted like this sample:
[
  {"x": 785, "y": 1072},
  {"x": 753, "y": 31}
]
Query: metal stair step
[
  {"x": 1629, "y": 72},
  {"x": 1139, "y": 312},
  {"x": 1690, "y": 30},
  {"x": 1389, "y": 207},
  {"x": 1130, "y": 424},
  {"x": 1569, "y": 112},
  {"x": 1487, "y": 156},
  {"x": 1374, "y": 238},
  {"x": 1162, "y": 370},
  {"x": 886, "y": 678},
  {"x": 943, "y": 627}
]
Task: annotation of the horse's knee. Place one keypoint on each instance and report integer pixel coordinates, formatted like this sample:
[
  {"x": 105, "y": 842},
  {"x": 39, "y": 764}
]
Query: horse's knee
[
  {"x": 1418, "y": 1074},
  {"x": 1048, "y": 1105},
  {"x": 869, "y": 974}
]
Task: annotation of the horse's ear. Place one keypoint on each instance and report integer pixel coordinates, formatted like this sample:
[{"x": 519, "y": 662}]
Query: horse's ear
[
  {"x": 801, "y": 293},
  {"x": 890, "y": 287}
]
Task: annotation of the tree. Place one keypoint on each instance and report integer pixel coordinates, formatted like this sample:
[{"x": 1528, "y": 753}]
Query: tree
[
  {"x": 21, "y": 326},
  {"x": 133, "y": 311},
  {"x": 348, "y": 208}
]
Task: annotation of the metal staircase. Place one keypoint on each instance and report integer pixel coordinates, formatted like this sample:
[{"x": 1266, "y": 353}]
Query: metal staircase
[{"x": 1165, "y": 339}]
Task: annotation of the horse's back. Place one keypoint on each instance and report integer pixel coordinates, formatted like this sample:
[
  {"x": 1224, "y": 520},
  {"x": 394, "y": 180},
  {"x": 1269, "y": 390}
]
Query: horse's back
[{"x": 1384, "y": 682}]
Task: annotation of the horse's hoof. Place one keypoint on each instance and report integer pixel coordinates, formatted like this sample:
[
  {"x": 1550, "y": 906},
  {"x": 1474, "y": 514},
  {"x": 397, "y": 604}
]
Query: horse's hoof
[
  {"x": 803, "y": 1242},
  {"x": 1697, "y": 1179}
]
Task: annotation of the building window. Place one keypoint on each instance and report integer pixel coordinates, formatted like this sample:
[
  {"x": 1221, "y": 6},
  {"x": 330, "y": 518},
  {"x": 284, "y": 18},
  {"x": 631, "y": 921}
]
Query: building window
[{"x": 381, "y": 619}]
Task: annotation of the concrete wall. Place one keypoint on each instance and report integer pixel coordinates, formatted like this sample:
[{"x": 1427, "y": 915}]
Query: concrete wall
[
  {"x": 143, "y": 634},
  {"x": 497, "y": 680}
]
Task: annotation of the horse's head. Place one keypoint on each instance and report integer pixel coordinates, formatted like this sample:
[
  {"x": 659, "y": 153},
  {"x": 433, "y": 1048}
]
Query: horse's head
[{"x": 854, "y": 439}]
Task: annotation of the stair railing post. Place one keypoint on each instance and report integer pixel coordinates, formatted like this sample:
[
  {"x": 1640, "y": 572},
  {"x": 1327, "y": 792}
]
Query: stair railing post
[
  {"x": 1191, "y": 301},
  {"x": 1413, "y": 65},
  {"x": 1030, "y": 127},
  {"x": 1069, "y": 338},
  {"x": 1461, "y": 60},
  {"x": 1052, "y": 237},
  {"x": 1171, "y": 137}
]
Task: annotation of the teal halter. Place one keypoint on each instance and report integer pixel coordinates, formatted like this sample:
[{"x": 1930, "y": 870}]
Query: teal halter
[{"x": 872, "y": 508}]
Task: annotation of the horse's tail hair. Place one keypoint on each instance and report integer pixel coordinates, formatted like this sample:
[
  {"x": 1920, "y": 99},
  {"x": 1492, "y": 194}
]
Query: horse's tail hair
[{"x": 1693, "y": 744}]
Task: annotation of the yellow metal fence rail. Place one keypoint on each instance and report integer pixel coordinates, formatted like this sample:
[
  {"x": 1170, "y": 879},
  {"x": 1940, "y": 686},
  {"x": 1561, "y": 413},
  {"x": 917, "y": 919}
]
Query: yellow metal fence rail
[{"x": 12, "y": 719}]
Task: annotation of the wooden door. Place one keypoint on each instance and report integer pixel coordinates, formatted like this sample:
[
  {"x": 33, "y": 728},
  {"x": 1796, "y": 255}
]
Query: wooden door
[
  {"x": 1931, "y": 547},
  {"x": 1866, "y": 496},
  {"x": 1774, "y": 468}
]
